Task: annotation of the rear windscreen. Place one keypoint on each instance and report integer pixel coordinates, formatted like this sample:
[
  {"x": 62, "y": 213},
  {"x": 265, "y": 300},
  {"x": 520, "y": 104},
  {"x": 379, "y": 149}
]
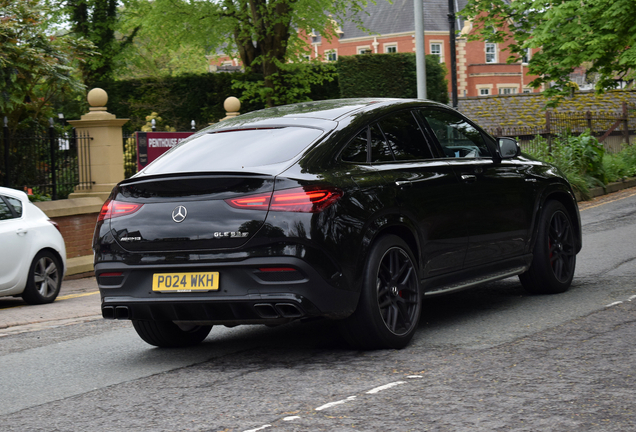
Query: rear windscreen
[{"x": 235, "y": 150}]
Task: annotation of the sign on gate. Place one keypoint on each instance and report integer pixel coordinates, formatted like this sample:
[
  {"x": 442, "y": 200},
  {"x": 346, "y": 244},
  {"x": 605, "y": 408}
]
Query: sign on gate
[{"x": 151, "y": 145}]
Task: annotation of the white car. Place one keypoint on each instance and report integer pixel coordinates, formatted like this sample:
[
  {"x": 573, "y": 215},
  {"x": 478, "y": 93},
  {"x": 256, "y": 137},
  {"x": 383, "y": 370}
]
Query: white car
[{"x": 32, "y": 250}]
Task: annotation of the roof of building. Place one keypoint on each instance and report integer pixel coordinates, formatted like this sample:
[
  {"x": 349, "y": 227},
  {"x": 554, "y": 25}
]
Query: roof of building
[{"x": 398, "y": 17}]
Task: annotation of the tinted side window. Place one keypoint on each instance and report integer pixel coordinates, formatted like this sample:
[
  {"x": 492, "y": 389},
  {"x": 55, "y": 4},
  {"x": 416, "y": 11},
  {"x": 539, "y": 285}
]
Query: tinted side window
[
  {"x": 380, "y": 150},
  {"x": 457, "y": 137},
  {"x": 16, "y": 204},
  {"x": 356, "y": 150},
  {"x": 5, "y": 211},
  {"x": 405, "y": 137}
]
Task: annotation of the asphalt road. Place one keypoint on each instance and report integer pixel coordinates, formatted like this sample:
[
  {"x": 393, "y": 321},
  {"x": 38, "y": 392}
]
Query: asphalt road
[{"x": 488, "y": 359}]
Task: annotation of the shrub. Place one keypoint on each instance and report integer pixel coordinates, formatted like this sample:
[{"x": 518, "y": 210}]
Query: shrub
[
  {"x": 580, "y": 158},
  {"x": 620, "y": 165}
]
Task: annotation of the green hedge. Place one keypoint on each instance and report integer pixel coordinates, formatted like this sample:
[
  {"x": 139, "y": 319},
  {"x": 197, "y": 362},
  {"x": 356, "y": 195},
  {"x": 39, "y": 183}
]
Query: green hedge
[
  {"x": 199, "y": 97},
  {"x": 390, "y": 75},
  {"x": 178, "y": 100}
]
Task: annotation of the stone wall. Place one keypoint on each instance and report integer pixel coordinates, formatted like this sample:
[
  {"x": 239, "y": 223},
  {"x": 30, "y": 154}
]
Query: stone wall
[{"x": 528, "y": 110}]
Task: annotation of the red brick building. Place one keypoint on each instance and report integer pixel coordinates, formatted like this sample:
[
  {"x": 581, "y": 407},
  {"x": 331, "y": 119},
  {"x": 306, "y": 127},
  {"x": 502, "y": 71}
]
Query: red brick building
[{"x": 481, "y": 67}]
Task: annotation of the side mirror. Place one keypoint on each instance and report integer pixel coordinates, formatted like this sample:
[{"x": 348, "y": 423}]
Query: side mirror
[{"x": 508, "y": 148}]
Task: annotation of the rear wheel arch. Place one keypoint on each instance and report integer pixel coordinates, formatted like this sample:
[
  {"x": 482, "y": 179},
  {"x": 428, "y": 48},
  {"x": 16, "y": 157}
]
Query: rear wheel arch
[
  {"x": 57, "y": 255},
  {"x": 399, "y": 226}
]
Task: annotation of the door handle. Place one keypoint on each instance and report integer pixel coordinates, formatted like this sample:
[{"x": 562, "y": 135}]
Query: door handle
[
  {"x": 21, "y": 231},
  {"x": 403, "y": 183},
  {"x": 469, "y": 178}
]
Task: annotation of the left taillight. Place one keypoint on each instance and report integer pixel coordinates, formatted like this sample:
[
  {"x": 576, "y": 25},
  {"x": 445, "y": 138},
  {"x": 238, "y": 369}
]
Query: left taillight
[
  {"x": 309, "y": 199},
  {"x": 55, "y": 224},
  {"x": 112, "y": 209}
]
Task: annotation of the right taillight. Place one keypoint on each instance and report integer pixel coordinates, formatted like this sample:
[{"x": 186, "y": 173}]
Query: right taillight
[
  {"x": 112, "y": 209},
  {"x": 308, "y": 199}
]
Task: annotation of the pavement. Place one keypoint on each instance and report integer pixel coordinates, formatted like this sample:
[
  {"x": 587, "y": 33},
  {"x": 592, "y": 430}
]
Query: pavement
[{"x": 78, "y": 301}]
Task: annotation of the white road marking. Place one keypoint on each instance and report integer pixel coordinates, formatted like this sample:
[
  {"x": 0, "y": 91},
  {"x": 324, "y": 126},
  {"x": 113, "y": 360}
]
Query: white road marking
[
  {"x": 258, "y": 428},
  {"x": 631, "y": 298},
  {"x": 415, "y": 376},
  {"x": 384, "y": 387},
  {"x": 290, "y": 418},
  {"x": 613, "y": 304},
  {"x": 330, "y": 404}
]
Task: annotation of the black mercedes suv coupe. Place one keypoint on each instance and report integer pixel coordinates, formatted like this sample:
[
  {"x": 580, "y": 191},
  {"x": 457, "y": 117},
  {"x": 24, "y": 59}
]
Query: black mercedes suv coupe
[{"x": 352, "y": 210}]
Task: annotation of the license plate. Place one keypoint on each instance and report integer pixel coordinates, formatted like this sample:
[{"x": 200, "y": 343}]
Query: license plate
[{"x": 185, "y": 282}]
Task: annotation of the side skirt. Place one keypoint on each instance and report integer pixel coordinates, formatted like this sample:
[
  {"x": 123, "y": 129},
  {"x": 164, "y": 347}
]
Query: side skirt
[{"x": 473, "y": 277}]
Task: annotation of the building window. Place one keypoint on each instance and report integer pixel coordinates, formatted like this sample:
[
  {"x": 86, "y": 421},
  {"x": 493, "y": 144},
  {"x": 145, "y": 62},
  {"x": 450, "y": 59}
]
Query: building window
[
  {"x": 436, "y": 49},
  {"x": 507, "y": 90},
  {"x": 364, "y": 50},
  {"x": 527, "y": 90},
  {"x": 332, "y": 55},
  {"x": 484, "y": 92},
  {"x": 526, "y": 57},
  {"x": 390, "y": 48},
  {"x": 491, "y": 53}
]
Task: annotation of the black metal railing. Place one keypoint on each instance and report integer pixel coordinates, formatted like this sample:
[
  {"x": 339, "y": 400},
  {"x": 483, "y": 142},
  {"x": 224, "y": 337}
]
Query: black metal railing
[{"x": 45, "y": 162}]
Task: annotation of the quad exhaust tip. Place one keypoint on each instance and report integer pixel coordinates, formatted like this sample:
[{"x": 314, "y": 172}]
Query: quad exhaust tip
[
  {"x": 116, "y": 312},
  {"x": 278, "y": 310}
]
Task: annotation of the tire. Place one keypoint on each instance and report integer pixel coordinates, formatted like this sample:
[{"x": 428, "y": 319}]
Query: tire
[
  {"x": 167, "y": 334},
  {"x": 388, "y": 311},
  {"x": 44, "y": 279},
  {"x": 554, "y": 252}
]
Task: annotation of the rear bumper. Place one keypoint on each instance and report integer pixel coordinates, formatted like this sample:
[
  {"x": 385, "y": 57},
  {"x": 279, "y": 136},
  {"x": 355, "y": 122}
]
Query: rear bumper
[{"x": 246, "y": 295}]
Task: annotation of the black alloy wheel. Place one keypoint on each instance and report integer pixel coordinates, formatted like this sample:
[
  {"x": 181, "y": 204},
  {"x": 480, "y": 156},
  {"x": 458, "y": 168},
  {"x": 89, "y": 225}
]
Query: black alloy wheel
[
  {"x": 389, "y": 308},
  {"x": 561, "y": 247},
  {"x": 554, "y": 258},
  {"x": 166, "y": 334},
  {"x": 397, "y": 291},
  {"x": 44, "y": 280}
]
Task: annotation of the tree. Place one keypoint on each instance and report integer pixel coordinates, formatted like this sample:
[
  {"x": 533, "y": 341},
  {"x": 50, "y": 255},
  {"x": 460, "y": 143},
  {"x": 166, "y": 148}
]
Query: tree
[
  {"x": 569, "y": 33},
  {"x": 266, "y": 34},
  {"x": 35, "y": 68},
  {"x": 97, "y": 21}
]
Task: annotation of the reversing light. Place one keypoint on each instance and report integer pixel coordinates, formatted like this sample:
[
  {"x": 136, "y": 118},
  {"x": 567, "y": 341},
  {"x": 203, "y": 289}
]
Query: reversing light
[
  {"x": 308, "y": 199},
  {"x": 112, "y": 209}
]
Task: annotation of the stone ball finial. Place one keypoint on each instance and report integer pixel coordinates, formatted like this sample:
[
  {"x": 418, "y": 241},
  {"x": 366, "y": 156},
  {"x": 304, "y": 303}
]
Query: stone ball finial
[
  {"x": 232, "y": 104},
  {"x": 97, "y": 97}
]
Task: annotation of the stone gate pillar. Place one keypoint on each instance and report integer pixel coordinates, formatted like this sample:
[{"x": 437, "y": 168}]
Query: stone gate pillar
[{"x": 105, "y": 149}]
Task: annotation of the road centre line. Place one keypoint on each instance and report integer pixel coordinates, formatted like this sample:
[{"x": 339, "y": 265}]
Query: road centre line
[
  {"x": 330, "y": 404},
  {"x": 340, "y": 402},
  {"x": 384, "y": 387},
  {"x": 258, "y": 428},
  {"x": 616, "y": 303}
]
